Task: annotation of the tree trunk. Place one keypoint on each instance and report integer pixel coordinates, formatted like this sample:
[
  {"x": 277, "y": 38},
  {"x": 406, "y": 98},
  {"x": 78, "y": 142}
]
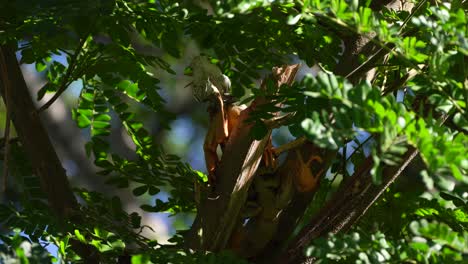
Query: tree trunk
[{"x": 38, "y": 148}]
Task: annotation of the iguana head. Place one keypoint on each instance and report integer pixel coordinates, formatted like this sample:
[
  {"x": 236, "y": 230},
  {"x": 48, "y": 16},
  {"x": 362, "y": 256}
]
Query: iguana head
[{"x": 208, "y": 80}]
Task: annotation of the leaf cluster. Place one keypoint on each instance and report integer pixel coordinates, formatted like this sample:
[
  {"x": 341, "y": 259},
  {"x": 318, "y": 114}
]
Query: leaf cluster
[{"x": 417, "y": 98}]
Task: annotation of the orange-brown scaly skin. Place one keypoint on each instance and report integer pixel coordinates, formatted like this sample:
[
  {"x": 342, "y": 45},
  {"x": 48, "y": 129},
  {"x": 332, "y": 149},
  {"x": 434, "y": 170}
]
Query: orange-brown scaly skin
[
  {"x": 219, "y": 130},
  {"x": 273, "y": 193},
  {"x": 221, "y": 124},
  {"x": 305, "y": 180}
]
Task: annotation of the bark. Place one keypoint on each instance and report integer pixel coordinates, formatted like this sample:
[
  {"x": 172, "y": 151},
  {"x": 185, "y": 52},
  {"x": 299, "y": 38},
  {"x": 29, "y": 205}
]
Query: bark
[
  {"x": 292, "y": 214},
  {"x": 347, "y": 206},
  {"x": 33, "y": 136},
  {"x": 37, "y": 146},
  {"x": 342, "y": 207},
  {"x": 219, "y": 211}
]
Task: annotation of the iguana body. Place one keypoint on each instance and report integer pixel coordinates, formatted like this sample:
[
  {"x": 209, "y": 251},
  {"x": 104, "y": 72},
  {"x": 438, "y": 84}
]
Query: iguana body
[{"x": 211, "y": 85}]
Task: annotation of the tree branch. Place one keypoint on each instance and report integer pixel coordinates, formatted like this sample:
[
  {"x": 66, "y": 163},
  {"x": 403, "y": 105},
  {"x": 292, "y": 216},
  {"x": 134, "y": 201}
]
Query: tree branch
[
  {"x": 33, "y": 136},
  {"x": 349, "y": 203},
  {"x": 356, "y": 45},
  {"x": 37, "y": 146},
  {"x": 292, "y": 214},
  {"x": 242, "y": 154}
]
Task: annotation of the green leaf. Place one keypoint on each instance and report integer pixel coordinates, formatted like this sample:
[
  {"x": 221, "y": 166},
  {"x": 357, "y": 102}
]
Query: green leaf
[
  {"x": 148, "y": 208},
  {"x": 135, "y": 219},
  {"x": 63, "y": 245},
  {"x": 141, "y": 259},
  {"x": 259, "y": 130},
  {"x": 153, "y": 190},
  {"x": 118, "y": 245},
  {"x": 460, "y": 121},
  {"x": 100, "y": 124},
  {"x": 83, "y": 121},
  {"x": 292, "y": 20},
  {"x": 140, "y": 190},
  {"x": 459, "y": 202},
  {"x": 22, "y": 256},
  {"x": 40, "y": 66},
  {"x": 80, "y": 237},
  {"x": 88, "y": 96},
  {"x": 128, "y": 87}
]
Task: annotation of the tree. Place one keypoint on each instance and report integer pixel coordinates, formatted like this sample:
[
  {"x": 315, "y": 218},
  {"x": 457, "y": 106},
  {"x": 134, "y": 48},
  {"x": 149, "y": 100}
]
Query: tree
[{"x": 390, "y": 87}]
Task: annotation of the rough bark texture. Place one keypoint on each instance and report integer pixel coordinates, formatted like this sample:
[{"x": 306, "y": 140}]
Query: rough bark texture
[
  {"x": 33, "y": 136},
  {"x": 37, "y": 146}
]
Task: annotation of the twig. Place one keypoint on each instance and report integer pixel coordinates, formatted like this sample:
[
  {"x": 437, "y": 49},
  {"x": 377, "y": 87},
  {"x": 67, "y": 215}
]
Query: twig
[
  {"x": 361, "y": 144},
  {"x": 65, "y": 82},
  {"x": 278, "y": 121},
  {"x": 408, "y": 18},
  {"x": 399, "y": 83},
  {"x": 367, "y": 62},
  {"x": 376, "y": 191}
]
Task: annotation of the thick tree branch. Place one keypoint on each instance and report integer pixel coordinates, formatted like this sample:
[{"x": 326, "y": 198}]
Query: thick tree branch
[
  {"x": 218, "y": 214},
  {"x": 33, "y": 136},
  {"x": 355, "y": 46},
  {"x": 349, "y": 203},
  {"x": 292, "y": 214},
  {"x": 37, "y": 146}
]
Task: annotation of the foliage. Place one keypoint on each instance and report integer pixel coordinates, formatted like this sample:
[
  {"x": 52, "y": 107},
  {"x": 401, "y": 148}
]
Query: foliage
[
  {"x": 431, "y": 243},
  {"x": 402, "y": 227},
  {"x": 429, "y": 44}
]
